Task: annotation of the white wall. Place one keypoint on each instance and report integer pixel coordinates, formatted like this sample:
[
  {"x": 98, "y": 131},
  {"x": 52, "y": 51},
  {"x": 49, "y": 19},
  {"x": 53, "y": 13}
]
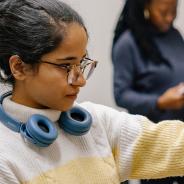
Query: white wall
[
  {"x": 180, "y": 18},
  {"x": 100, "y": 17}
]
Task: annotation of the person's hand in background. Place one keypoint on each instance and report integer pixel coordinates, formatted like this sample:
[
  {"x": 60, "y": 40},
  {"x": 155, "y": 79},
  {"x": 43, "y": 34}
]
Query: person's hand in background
[{"x": 173, "y": 98}]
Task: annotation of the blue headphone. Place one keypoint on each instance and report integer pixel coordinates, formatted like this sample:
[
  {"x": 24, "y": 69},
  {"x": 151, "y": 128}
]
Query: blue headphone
[{"x": 40, "y": 131}]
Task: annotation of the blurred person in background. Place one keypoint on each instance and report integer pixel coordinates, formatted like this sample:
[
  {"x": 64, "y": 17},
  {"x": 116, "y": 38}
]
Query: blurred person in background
[{"x": 148, "y": 63}]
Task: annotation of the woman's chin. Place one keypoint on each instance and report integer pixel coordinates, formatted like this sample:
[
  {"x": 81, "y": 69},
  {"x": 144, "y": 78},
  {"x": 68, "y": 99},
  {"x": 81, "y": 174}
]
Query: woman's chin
[{"x": 66, "y": 107}]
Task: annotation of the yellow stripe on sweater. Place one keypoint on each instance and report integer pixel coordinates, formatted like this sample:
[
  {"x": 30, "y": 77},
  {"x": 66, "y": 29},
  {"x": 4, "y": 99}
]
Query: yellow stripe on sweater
[{"x": 81, "y": 171}]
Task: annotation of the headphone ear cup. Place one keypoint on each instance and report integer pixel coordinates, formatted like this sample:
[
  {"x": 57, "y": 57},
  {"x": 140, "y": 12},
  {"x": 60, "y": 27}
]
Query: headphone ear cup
[
  {"x": 39, "y": 130},
  {"x": 77, "y": 121}
]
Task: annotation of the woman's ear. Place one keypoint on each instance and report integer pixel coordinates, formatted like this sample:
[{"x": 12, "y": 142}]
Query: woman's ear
[{"x": 17, "y": 67}]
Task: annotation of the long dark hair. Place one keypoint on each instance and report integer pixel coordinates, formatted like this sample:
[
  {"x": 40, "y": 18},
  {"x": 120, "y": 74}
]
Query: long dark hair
[
  {"x": 31, "y": 28},
  {"x": 132, "y": 18}
]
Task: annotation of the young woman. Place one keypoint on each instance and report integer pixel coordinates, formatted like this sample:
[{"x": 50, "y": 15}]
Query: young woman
[
  {"x": 148, "y": 60},
  {"x": 45, "y": 138}
]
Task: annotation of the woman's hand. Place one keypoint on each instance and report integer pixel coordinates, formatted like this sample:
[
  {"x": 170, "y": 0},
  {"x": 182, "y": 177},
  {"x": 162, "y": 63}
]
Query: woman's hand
[{"x": 173, "y": 98}]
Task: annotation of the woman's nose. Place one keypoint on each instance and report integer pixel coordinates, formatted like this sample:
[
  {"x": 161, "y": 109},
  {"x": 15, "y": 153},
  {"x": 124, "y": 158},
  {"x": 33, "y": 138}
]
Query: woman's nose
[
  {"x": 169, "y": 18},
  {"x": 80, "y": 80}
]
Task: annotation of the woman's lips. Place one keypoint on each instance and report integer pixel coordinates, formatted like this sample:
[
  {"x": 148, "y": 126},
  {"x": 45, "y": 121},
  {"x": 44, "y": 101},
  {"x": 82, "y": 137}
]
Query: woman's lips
[{"x": 72, "y": 96}]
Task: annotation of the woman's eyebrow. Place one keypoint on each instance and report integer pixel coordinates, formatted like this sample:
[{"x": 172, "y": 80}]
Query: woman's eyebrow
[{"x": 70, "y": 58}]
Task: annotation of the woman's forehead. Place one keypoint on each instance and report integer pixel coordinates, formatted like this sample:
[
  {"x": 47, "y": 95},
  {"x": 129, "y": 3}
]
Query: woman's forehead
[
  {"x": 74, "y": 45},
  {"x": 164, "y": 2}
]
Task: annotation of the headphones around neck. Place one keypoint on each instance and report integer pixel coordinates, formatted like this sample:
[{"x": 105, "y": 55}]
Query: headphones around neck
[{"x": 39, "y": 130}]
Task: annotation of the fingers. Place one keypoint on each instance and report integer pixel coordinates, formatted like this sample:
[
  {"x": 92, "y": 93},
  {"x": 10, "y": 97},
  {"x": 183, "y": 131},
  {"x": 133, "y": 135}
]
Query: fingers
[{"x": 181, "y": 89}]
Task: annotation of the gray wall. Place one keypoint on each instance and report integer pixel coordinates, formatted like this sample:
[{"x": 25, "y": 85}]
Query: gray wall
[{"x": 100, "y": 17}]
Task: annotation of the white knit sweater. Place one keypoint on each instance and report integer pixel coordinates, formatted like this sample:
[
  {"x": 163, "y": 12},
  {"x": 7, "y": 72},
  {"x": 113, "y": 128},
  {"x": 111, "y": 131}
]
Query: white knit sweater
[{"x": 118, "y": 146}]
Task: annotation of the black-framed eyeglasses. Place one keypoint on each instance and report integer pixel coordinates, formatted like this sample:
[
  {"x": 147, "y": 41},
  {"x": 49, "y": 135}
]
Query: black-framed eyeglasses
[{"x": 86, "y": 68}]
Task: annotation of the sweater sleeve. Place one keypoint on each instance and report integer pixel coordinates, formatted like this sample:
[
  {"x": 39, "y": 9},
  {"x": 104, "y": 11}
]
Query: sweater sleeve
[
  {"x": 158, "y": 150},
  {"x": 149, "y": 151},
  {"x": 145, "y": 150},
  {"x": 125, "y": 55}
]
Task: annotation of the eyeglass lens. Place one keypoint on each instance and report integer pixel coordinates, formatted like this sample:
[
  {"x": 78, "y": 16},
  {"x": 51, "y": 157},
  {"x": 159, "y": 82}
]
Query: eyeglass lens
[{"x": 76, "y": 71}]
